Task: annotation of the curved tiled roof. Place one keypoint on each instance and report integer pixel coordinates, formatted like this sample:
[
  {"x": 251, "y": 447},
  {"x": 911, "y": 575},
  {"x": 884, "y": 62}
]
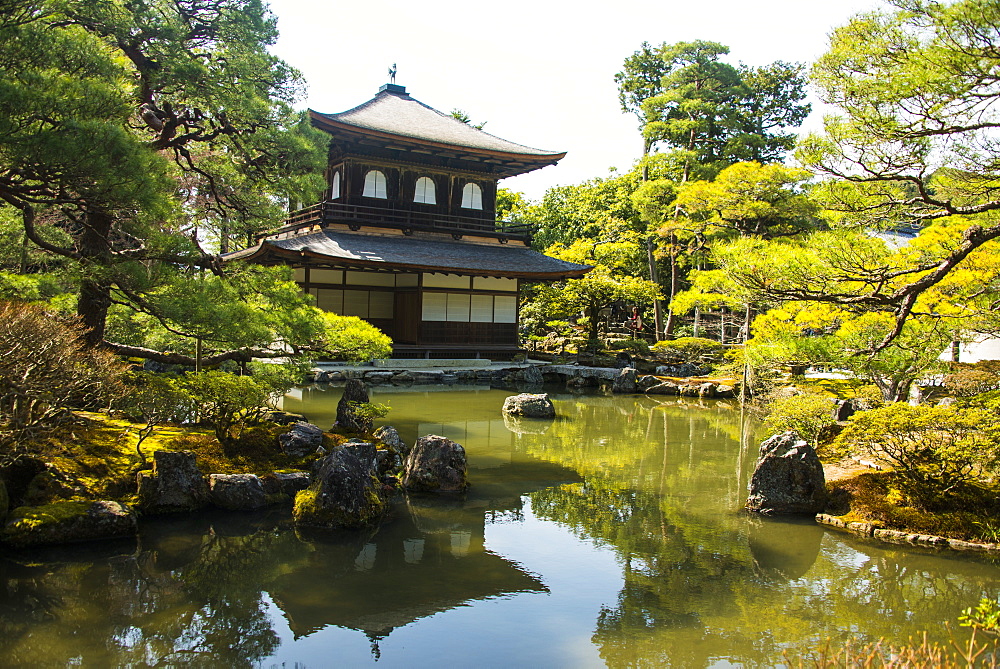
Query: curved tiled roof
[
  {"x": 412, "y": 253},
  {"x": 396, "y": 113}
]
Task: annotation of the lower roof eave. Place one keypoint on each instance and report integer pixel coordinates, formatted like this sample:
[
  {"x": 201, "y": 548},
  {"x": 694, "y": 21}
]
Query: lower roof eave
[{"x": 269, "y": 254}]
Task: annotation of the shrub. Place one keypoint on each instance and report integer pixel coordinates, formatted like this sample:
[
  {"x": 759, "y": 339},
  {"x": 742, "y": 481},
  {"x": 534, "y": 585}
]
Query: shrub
[
  {"x": 810, "y": 415},
  {"x": 688, "y": 349},
  {"x": 934, "y": 451},
  {"x": 634, "y": 346},
  {"x": 45, "y": 370},
  {"x": 227, "y": 402},
  {"x": 969, "y": 382}
]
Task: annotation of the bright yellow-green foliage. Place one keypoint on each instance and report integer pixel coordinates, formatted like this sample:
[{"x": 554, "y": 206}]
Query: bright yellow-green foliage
[
  {"x": 749, "y": 199},
  {"x": 809, "y": 414},
  {"x": 821, "y": 334},
  {"x": 351, "y": 338},
  {"x": 689, "y": 348}
]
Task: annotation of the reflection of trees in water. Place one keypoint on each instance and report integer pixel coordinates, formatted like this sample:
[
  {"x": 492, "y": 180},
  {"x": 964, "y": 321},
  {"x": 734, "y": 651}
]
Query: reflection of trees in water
[
  {"x": 704, "y": 582},
  {"x": 163, "y": 605}
]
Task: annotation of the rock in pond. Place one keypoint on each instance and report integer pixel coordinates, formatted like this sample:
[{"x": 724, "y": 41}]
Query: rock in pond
[
  {"x": 529, "y": 405},
  {"x": 67, "y": 521},
  {"x": 346, "y": 492},
  {"x": 304, "y": 438},
  {"x": 788, "y": 478},
  {"x": 283, "y": 417},
  {"x": 355, "y": 392},
  {"x": 436, "y": 464},
  {"x": 175, "y": 485},
  {"x": 388, "y": 435},
  {"x": 664, "y": 388},
  {"x": 625, "y": 382},
  {"x": 290, "y": 483},
  {"x": 237, "y": 492}
]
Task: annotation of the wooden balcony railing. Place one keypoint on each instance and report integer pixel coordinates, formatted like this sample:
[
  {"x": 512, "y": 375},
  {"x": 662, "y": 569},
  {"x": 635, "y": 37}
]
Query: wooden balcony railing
[{"x": 350, "y": 214}]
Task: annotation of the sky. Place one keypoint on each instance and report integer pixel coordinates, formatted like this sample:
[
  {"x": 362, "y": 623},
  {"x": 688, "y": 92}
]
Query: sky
[{"x": 538, "y": 72}]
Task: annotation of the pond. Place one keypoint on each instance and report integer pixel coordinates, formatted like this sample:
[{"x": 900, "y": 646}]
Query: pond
[{"x": 611, "y": 536}]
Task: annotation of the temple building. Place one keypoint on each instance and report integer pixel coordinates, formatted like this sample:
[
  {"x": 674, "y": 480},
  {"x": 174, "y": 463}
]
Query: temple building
[{"x": 407, "y": 235}]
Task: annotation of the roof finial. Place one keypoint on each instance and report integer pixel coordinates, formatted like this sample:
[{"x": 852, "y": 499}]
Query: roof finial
[{"x": 392, "y": 74}]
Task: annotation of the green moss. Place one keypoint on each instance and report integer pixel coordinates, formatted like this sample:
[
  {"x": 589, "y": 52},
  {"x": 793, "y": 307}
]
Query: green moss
[{"x": 27, "y": 518}]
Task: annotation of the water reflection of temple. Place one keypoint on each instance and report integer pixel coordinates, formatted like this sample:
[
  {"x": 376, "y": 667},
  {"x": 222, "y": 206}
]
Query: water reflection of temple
[{"x": 430, "y": 555}]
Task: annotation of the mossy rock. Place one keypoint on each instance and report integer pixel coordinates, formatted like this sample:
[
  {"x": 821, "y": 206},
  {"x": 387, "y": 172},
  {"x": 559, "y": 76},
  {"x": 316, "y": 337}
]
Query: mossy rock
[
  {"x": 346, "y": 492},
  {"x": 67, "y": 522}
]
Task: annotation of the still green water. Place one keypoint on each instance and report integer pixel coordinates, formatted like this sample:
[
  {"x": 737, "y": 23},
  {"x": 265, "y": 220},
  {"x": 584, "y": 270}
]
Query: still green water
[{"x": 611, "y": 536}]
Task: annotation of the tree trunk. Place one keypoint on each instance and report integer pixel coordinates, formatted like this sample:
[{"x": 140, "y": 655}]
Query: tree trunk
[
  {"x": 95, "y": 291},
  {"x": 653, "y": 276},
  {"x": 668, "y": 328},
  {"x": 697, "y": 320}
]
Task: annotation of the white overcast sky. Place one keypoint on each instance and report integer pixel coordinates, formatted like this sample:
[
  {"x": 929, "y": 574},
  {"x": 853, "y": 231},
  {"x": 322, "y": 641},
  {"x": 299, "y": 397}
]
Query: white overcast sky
[{"x": 539, "y": 72}]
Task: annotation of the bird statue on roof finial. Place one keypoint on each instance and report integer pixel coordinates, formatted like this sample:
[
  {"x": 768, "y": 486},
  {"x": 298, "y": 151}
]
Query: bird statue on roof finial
[{"x": 392, "y": 74}]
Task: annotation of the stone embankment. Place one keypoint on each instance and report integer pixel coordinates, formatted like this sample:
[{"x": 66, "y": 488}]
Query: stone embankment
[
  {"x": 900, "y": 537},
  {"x": 625, "y": 380}
]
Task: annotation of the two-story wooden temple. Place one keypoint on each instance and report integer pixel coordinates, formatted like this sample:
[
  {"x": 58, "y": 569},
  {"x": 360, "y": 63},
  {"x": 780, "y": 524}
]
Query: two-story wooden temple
[{"x": 407, "y": 236}]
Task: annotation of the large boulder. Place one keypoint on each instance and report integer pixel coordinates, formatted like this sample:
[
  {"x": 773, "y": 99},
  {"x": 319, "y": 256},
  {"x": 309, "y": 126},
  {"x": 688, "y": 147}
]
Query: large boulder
[
  {"x": 390, "y": 457},
  {"x": 68, "y": 521},
  {"x": 237, "y": 492},
  {"x": 50, "y": 485},
  {"x": 355, "y": 392},
  {"x": 665, "y": 388},
  {"x": 625, "y": 382},
  {"x": 346, "y": 492},
  {"x": 304, "y": 438},
  {"x": 175, "y": 484},
  {"x": 436, "y": 464},
  {"x": 788, "y": 478},
  {"x": 529, "y": 405},
  {"x": 681, "y": 369}
]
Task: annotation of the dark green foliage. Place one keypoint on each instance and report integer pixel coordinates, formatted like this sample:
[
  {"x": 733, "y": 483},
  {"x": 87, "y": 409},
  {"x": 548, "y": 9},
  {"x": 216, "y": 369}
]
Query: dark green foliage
[{"x": 716, "y": 114}]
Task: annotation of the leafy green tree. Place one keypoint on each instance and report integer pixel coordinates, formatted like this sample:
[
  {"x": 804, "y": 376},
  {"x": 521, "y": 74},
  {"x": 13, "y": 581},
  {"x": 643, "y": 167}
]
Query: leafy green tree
[
  {"x": 749, "y": 199},
  {"x": 810, "y": 415},
  {"x": 609, "y": 282},
  {"x": 227, "y": 402},
  {"x": 713, "y": 113},
  {"x": 914, "y": 142},
  {"x": 133, "y": 131}
]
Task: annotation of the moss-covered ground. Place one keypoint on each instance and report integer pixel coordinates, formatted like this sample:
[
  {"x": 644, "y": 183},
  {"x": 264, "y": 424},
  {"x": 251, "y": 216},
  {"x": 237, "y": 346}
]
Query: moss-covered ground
[
  {"x": 973, "y": 514},
  {"x": 99, "y": 458}
]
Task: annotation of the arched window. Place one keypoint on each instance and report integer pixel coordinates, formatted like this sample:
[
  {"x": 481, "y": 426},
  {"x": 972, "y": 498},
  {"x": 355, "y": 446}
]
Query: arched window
[
  {"x": 375, "y": 185},
  {"x": 472, "y": 197},
  {"x": 335, "y": 186},
  {"x": 425, "y": 191}
]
